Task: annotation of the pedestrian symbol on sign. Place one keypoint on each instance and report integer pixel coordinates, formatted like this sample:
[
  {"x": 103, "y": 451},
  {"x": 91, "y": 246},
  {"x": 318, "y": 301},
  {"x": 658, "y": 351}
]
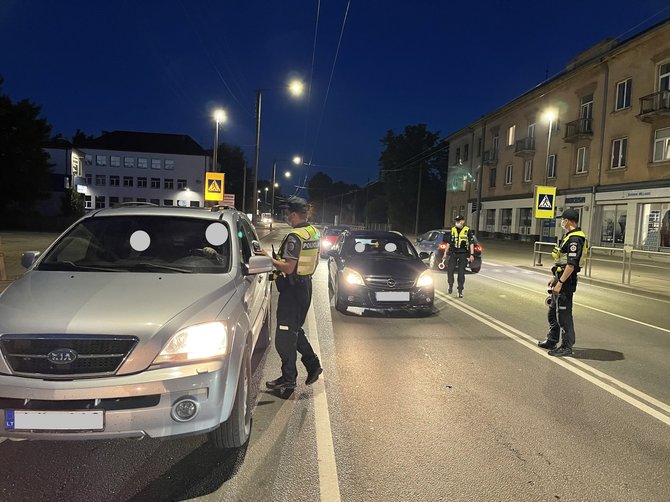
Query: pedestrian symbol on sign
[
  {"x": 546, "y": 202},
  {"x": 214, "y": 186}
]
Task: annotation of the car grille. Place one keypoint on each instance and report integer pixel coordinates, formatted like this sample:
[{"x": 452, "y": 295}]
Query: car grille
[
  {"x": 96, "y": 355},
  {"x": 386, "y": 282}
]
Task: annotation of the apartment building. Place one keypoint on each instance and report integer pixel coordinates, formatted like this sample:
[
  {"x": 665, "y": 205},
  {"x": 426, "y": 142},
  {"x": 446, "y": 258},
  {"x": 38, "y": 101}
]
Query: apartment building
[
  {"x": 599, "y": 132},
  {"x": 163, "y": 169}
]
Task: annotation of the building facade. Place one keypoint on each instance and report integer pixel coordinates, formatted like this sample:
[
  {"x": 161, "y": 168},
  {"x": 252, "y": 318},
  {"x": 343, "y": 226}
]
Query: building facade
[
  {"x": 67, "y": 164},
  {"x": 599, "y": 132},
  {"x": 163, "y": 169}
]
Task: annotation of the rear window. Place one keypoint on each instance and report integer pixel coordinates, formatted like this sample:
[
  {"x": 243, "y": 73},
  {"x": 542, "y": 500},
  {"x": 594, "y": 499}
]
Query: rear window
[{"x": 330, "y": 232}]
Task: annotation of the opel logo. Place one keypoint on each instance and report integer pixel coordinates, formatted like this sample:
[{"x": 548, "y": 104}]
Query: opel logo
[
  {"x": 390, "y": 283},
  {"x": 62, "y": 356}
]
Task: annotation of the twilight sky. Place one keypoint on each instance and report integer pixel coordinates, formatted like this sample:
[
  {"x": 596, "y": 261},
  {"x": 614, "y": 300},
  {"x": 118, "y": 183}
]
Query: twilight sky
[{"x": 164, "y": 65}]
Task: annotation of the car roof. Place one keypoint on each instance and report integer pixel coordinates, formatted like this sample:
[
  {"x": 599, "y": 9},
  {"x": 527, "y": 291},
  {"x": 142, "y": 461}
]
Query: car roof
[
  {"x": 376, "y": 234},
  {"x": 216, "y": 213}
]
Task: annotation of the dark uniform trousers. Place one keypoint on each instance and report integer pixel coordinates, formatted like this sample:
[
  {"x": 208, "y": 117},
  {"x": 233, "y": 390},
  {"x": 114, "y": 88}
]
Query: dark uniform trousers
[
  {"x": 457, "y": 260},
  {"x": 560, "y": 313},
  {"x": 295, "y": 297}
]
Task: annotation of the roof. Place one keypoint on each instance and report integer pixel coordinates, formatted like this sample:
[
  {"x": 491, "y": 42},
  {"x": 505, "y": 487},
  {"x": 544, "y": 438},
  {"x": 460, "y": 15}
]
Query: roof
[{"x": 149, "y": 142}]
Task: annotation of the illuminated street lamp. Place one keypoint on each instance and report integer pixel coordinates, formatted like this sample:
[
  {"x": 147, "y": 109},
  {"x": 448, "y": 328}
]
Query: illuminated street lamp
[
  {"x": 297, "y": 160},
  {"x": 219, "y": 117},
  {"x": 296, "y": 88},
  {"x": 549, "y": 116}
]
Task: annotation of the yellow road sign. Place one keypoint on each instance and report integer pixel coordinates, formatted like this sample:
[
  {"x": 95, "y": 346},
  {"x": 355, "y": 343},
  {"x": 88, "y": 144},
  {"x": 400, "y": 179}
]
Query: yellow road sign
[
  {"x": 545, "y": 202},
  {"x": 214, "y": 186}
]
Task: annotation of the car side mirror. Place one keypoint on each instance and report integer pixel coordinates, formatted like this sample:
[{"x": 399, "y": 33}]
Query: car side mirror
[
  {"x": 259, "y": 265},
  {"x": 332, "y": 252},
  {"x": 28, "y": 258},
  {"x": 419, "y": 239}
]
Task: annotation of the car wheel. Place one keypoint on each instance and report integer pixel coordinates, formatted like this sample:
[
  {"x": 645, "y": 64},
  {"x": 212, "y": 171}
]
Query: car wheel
[
  {"x": 235, "y": 431},
  {"x": 265, "y": 336},
  {"x": 340, "y": 303},
  {"x": 330, "y": 285}
]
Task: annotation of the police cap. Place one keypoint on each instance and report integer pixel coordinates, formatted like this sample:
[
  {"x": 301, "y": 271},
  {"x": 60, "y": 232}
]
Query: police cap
[
  {"x": 570, "y": 214},
  {"x": 460, "y": 217},
  {"x": 294, "y": 205}
]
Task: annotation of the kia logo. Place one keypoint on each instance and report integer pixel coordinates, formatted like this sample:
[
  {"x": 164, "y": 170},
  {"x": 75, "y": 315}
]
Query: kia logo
[{"x": 62, "y": 356}]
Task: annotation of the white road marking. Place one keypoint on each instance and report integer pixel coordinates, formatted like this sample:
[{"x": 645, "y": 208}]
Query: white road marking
[
  {"x": 582, "y": 305},
  {"x": 569, "y": 363},
  {"x": 328, "y": 483}
]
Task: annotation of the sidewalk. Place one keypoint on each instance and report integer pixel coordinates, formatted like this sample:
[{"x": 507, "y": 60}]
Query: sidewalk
[{"x": 606, "y": 274}]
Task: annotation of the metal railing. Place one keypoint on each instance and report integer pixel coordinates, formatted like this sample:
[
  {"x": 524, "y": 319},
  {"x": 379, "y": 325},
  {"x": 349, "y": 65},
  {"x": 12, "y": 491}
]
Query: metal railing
[
  {"x": 649, "y": 260},
  {"x": 609, "y": 254},
  {"x": 657, "y": 102}
]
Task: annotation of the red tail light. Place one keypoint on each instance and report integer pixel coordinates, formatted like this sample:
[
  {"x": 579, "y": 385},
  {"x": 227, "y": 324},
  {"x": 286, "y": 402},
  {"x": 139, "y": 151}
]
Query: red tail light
[
  {"x": 442, "y": 247},
  {"x": 478, "y": 248}
]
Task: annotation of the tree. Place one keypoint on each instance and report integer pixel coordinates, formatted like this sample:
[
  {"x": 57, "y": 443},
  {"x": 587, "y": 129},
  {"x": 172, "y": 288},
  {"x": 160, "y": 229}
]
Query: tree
[
  {"x": 25, "y": 171},
  {"x": 81, "y": 138},
  {"x": 412, "y": 159}
]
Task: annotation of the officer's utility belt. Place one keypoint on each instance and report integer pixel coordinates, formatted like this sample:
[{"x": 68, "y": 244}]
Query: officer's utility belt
[{"x": 294, "y": 279}]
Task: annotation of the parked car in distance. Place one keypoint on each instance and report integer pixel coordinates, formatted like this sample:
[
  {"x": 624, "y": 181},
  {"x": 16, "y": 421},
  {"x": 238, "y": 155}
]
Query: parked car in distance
[
  {"x": 329, "y": 236},
  {"x": 137, "y": 321},
  {"x": 379, "y": 270},
  {"x": 434, "y": 242},
  {"x": 266, "y": 219}
]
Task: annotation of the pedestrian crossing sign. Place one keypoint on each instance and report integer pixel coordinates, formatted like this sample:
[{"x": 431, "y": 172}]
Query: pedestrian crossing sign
[
  {"x": 545, "y": 201},
  {"x": 214, "y": 186}
]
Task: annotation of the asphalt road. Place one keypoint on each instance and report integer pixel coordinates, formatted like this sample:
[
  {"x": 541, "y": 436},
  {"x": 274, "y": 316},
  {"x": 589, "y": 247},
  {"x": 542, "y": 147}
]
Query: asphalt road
[{"x": 458, "y": 406}]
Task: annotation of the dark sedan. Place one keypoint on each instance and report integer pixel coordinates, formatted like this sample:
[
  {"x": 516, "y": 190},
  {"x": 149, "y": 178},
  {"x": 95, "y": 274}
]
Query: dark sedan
[{"x": 379, "y": 270}]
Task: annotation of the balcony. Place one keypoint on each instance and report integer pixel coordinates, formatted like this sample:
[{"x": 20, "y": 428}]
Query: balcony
[
  {"x": 525, "y": 147},
  {"x": 654, "y": 106},
  {"x": 490, "y": 157},
  {"x": 577, "y": 130}
]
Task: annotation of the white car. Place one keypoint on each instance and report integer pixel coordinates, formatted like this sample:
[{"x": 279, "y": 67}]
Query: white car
[{"x": 137, "y": 321}]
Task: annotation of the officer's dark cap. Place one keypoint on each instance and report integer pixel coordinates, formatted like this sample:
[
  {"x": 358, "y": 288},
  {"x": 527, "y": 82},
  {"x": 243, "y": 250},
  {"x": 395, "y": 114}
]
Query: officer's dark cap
[
  {"x": 460, "y": 217},
  {"x": 570, "y": 214},
  {"x": 294, "y": 205}
]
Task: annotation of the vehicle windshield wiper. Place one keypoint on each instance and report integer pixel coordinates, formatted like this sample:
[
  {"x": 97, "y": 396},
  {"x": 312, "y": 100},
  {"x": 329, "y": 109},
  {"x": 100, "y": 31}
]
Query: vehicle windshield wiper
[
  {"x": 69, "y": 266},
  {"x": 157, "y": 266}
]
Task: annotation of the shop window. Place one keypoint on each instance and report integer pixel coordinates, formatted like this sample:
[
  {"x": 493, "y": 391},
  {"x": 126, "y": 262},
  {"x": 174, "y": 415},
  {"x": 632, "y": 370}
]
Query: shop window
[{"x": 613, "y": 224}]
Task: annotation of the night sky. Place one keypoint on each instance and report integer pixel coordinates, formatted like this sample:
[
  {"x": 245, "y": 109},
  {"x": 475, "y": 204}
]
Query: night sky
[{"x": 163, "y": 66}]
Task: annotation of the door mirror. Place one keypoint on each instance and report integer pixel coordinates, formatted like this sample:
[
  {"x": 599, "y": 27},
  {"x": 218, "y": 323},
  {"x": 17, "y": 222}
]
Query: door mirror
[{"x": 29, "y": 257}]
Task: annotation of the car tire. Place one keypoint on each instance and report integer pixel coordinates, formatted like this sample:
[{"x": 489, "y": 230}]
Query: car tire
[
  {"x": 340, "y": 304},
  {"x": 235, "y": 432}
]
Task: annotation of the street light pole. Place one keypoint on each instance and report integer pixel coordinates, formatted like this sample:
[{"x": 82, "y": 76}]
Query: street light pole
[
  {"x": 259, "y": 96},
  {"x": 219, "y": 116},
  {"x": 272, "y": 202},
  {"x": 550, "y": 116}
]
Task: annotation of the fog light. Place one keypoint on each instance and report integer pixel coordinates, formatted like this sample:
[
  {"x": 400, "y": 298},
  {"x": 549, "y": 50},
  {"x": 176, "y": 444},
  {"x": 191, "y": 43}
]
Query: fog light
[{"x": 184, "y": 409}]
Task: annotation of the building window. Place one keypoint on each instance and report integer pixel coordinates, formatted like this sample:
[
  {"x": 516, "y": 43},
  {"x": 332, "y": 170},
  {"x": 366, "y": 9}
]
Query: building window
[
  {"x": 88, "y": 159},
  {"x": 495, "y": 142},
  {"x": 141, "y": 182},
  {"x": 88, "y": 203},
  {"x": 528, "y": 170},
  {"x": 466, "y": 152},
  {"x": 168, "y": 184},
  {"x": 586, "y": 109},
  {"x": 99, "y": 201},
  {"x": 664, "y": 77},
  {"x": 508, "y": 174},
  {"x": 113, "y": 181},
  {"x": 157, "y": 202},
  {"x": 100, "y": 160},
  {"x": 129, "y": 162},
  {"x": 531, "y": 130},
  {"x": 155, "y": 182},
  {"x": 492, "y": 177},
  {"x": 100, "y": 180},
  {"x": 619, "y": 147},
  {"x": 511, "y": 134},
  {"x": 613, "y": 224},
  {"x": 479, "y": 147},
  {"x": 582, "y": 160},
  {"x": 169, "y": 165},
  {"x": 113, "y": 201},
  {"x": 490, "y": 220},
  {"x": 115, "y": 161},
  {"x": 181, "y": 184},
  {"x": 127, "y": 181},
  {"x": 458, "y": 155},
  {"x": 662, "y": 145},
  {"x": 551, "y": 166},
  {"x": 89, "y": 179},
  {"x": 167, "y": 202},
  {"x": 195, "y": 203},
  {"x": 623, "y": 90},
  {"x": 142, "y": 163},
  {"x": 156, "y": 164}
]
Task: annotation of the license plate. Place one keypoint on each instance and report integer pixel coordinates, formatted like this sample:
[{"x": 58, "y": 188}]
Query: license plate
[
  {"x": 22, "y": 420},
  {"x": 392, "y": 296}
]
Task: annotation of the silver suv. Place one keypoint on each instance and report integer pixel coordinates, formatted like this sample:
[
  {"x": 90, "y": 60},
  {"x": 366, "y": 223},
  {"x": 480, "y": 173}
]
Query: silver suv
[{"x": 137, "y": 321}]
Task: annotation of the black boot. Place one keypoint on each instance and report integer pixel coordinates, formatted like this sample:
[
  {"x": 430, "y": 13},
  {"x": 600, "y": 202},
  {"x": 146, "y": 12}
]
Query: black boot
[
  {"x": 313, "y": 375},
  {"x": 280, "y": 384}
]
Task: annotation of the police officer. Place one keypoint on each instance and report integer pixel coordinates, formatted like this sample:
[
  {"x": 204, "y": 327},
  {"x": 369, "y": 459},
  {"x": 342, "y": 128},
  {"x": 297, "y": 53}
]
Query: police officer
[
  {"x": 460, "y": 249},
  {"x": 295, "y": 262},
  {"x": 569, "y": 257}
]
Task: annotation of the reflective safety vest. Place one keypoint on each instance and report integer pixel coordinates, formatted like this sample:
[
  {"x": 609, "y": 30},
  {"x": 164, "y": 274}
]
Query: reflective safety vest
[
  {"x": 460, "y": 237},
  {"x": 561, "y": 258},
  {"x": 309, "y": 249}
]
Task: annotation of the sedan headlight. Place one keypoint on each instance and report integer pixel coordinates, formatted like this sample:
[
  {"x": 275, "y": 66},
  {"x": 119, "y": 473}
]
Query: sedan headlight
[
  {"x": 353, "y": 277},
  {"x": 201, "y": 341},
  {"x": 326, "y": 244},
  {"x": 425, "y": 280}
]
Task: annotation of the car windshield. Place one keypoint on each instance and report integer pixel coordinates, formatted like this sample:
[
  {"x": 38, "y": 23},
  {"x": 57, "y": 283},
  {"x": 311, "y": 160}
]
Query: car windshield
[
  {"x": 394, "y": 247},
  {"x": 331, "y": 232},
  {"x": 142, "y": 244}
]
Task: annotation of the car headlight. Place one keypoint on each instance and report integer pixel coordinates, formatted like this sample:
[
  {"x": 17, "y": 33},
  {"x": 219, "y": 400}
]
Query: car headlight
[
  {"x": 353, "y": 277},
  {"x": 201, "y": 341},
  {"x": 326, "y": 244},
  {"x": 425, "y": 280}
]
